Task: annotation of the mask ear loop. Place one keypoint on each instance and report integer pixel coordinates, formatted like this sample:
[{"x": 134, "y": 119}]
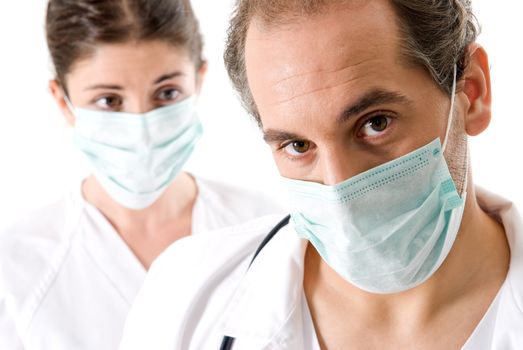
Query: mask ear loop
[
  {"x": 451, "y": 114},
  {"x": 449, "y": 124},
  {"x": 69, "y": 103}
]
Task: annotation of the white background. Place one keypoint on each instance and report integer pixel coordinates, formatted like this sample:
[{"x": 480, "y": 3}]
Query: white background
[{"x": 38, "y": 163}]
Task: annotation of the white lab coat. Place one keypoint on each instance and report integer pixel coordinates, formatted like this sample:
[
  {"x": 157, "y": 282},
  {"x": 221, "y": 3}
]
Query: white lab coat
[
  {"x": 265, "y": 308},
  {"x": 67, "y": 279}
]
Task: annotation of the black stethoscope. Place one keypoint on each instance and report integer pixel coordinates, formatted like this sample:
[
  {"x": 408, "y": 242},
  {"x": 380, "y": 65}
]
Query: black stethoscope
[{"x": 227, "y": 342}]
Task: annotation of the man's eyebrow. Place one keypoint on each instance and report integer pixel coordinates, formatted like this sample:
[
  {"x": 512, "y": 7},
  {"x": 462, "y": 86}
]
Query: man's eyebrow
[
  {"x": 276, "y": 136},
  {"x": 371, "y": 99},
  {"x": 167, "y": 77}
]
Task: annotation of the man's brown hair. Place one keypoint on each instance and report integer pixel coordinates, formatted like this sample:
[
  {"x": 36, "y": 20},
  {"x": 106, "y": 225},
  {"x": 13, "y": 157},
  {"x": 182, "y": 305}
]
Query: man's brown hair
[{"x": 435, "y": 35}]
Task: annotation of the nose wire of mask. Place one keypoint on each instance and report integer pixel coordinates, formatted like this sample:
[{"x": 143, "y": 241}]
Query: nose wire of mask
[
  {"x": 137, "y": 156},
  {"x": 387, "y": 229}
]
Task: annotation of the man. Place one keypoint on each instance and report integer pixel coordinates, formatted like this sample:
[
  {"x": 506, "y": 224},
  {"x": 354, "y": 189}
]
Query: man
[{"x": 367, "y": 106}]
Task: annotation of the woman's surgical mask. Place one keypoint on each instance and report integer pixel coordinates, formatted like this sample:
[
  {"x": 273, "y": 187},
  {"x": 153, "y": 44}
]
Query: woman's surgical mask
[
  {"x": 387, "y": 229},
  {"x": 137, "y": 156}
]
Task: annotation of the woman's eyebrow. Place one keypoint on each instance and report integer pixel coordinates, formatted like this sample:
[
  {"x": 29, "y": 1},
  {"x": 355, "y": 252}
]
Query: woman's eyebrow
[
  {"x": 167, "y": 77},
  {"x": 104, "y": 86}
]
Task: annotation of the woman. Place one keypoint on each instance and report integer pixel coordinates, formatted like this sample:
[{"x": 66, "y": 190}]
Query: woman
[{"x": 127, "y": 75}]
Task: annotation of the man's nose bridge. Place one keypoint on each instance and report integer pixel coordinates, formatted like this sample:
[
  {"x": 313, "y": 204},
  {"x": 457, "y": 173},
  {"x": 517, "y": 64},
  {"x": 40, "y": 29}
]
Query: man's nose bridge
[{"x": 336, "y": 167}]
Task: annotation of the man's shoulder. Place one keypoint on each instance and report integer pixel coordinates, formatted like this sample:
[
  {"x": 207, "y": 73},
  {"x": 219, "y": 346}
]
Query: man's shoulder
[
  {"x": 209, "y": 256},
  {"x": 189, "y": 282}
]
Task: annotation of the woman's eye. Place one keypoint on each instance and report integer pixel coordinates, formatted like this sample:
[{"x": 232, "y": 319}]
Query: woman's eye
[
  {"x": 297, "y": 148},
  {"x": 109, "y": 102},
  {"x": 168, "y": 95},
  {"x": 375, "y": 125}
]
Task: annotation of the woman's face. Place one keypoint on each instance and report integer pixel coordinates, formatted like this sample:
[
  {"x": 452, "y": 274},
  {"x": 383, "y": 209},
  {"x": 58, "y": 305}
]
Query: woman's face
[{"x": 134, "y": 77}]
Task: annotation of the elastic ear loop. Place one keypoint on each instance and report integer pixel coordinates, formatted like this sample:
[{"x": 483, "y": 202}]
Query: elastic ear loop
[
  {"x": 69, "y": 103},
  {"x": 451, "y": 114},
  {"x": 449, "y": 123}
]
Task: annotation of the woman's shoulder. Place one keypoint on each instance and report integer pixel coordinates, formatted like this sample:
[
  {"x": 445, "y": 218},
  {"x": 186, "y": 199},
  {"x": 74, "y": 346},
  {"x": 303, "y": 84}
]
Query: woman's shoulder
[
  {"x": 240, "y": 203},
  {"x": 30, "y": 248},
  {"x": 229, "y": 191},
  {"x": 51, "y": 215}
]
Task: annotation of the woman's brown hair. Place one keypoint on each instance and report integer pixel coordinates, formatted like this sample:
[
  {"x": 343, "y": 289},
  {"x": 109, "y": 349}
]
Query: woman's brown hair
[{"x": 75, "y": 28}]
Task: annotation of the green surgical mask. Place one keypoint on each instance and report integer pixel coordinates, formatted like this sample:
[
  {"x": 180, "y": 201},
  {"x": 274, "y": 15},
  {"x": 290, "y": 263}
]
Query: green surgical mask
[{"x": 137, "y": 156}]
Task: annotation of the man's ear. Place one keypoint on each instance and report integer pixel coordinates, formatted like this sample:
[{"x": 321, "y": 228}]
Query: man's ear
[
  {"x": 200, "y": 76},
  {"x": 477, "y": 91},
  {"x": 59, "y": 95}
]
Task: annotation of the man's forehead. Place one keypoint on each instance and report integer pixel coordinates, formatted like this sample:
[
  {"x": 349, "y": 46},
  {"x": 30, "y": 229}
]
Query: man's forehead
[{"x": 332, "y": 48}]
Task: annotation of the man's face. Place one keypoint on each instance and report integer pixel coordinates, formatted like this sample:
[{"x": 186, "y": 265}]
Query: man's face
[{"x": 335, "y": 96}]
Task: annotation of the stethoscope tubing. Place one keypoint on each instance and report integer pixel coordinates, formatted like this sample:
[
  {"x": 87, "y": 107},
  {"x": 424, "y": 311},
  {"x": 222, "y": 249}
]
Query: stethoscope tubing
[{"x": 227, "y": 341}]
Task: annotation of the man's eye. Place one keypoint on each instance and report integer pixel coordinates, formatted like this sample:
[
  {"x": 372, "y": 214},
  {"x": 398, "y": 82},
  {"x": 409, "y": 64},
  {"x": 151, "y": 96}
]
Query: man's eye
[
  {"x": 297, "y": 148},
  {"x": 109, "y": 102},
  {"x": 375, "y": 126}
]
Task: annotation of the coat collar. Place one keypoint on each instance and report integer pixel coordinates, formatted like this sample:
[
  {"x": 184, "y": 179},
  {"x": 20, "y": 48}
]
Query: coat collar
[{"x": 507, "y": 214}]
